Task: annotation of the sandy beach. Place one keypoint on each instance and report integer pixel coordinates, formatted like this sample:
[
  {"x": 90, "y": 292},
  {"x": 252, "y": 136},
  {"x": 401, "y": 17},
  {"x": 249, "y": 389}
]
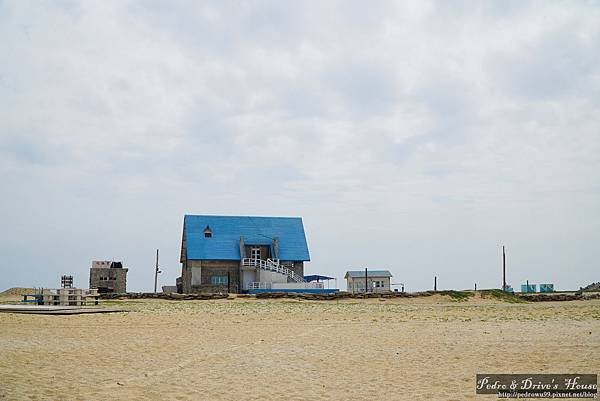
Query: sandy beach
[{"x": 404, "y": 349}]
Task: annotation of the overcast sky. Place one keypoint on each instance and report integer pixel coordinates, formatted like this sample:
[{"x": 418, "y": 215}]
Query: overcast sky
[{"x": 417, "y": 137}]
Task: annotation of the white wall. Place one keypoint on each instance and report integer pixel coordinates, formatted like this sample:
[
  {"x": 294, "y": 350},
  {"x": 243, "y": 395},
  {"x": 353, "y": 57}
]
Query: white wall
[
  {"x": 248, "y": 276},
  {"x": 296, "y": 286},
  {"x": 196, "y": 275},
  {"x": 360, "y": 283},
  {"x": 265, "y": 276}
]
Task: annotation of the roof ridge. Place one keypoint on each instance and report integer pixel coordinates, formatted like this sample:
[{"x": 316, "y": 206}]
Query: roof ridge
[{"x": 243, "y": 216}]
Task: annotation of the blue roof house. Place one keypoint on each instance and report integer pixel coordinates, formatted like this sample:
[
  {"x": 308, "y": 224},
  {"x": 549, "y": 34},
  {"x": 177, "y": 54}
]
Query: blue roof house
[{"x": 238, "y": 253}]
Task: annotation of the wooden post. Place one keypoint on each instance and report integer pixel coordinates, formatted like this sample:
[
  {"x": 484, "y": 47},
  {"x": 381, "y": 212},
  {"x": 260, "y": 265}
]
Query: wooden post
[
  {"x": 156, "y": 272},
  {"x": 503, "y": 269},
  {"x": 434, "y": 283},
  {"x": 240, "y": 273},
  {"x": 228, "y": 282},
  {"x": 366, "y": 281},
  {"x": 475, "y": 286}
]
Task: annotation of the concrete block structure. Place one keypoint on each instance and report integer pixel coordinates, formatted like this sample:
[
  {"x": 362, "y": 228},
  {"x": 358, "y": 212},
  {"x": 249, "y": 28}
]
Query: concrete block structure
[
  {"x": 108, "y": 277},
  {"x": 63, "y": 297},
  {"x": 375, "y": 280},
  {"x": 233, "y": 253},
  {"x": 169, "y": 289}
]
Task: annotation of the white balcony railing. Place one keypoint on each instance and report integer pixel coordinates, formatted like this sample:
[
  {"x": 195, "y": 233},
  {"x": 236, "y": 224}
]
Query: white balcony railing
[
  {"x": 274, "y": 266},
  {"x": 259, "y": 286}
]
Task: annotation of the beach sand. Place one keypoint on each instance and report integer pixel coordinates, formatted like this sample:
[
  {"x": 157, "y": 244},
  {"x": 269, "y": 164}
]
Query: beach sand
[{"x": 406, "y": 349}]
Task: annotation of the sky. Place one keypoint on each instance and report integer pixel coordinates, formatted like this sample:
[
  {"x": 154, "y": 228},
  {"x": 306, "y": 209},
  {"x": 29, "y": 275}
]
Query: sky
[{"x": 417, "y": 137}]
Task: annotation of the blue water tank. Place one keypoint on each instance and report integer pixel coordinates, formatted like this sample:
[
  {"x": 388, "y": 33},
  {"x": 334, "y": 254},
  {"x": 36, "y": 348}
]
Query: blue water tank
[{"x": 528, "y": 288}]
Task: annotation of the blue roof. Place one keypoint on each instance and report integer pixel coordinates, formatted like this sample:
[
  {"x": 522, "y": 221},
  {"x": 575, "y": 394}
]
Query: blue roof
[
  {"x": 316, "y": 277},
  {"x": 226, "y": 231}
]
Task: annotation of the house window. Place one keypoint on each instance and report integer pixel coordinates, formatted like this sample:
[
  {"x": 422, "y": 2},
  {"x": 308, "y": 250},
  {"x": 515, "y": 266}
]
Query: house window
[
  {"x": 255, "y": 253},
  {"x": 218, "y": 280},
  {"x": 207, "y": 232}
]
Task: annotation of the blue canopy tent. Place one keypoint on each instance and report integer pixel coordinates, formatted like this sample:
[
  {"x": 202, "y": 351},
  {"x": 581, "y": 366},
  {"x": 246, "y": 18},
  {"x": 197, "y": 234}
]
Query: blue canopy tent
[{"x": 317, "y": 278}]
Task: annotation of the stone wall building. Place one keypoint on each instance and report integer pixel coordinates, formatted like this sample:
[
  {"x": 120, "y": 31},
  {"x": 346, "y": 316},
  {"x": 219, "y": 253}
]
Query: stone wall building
[
  {"x": 375, "y": 280},
  {"x": 235, "y": 253},
  {"x": 108, "y": 277}
]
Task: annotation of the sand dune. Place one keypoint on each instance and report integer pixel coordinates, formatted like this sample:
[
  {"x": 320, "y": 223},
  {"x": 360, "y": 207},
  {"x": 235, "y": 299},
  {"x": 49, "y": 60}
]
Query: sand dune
[{"x": 415, "y": 349}]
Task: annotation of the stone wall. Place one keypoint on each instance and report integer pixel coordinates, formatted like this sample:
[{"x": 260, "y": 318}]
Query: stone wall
[
  {"x": 341, "y": 295},
  {"x": 109, "y": 279},
  {"x": 183, "y": 255},
  {"x": 298, "y": 268},
  {"x": 186, "y": 278},
  {"x": 197, "y": 276}
]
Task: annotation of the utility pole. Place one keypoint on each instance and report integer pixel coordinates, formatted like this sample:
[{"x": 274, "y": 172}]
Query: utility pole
[
  {"x": 503, "y": 269},
  {"x": 156, "y": 271},
  {"x": 434, "y": 283}
]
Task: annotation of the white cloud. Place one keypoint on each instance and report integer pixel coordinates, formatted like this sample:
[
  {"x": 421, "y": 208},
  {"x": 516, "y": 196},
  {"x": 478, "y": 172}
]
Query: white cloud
[{"x": 414, "y": 136}]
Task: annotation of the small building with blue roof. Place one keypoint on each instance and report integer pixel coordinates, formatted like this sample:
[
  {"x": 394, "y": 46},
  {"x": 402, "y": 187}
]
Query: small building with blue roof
[{"x": 237, "y": 253}]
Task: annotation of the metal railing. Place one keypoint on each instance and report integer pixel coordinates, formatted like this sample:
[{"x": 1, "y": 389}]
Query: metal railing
[
  {"x": 259, "y": 286},
  {"x": 265, "y": 285},
  {"x": 274, "y": 266}
]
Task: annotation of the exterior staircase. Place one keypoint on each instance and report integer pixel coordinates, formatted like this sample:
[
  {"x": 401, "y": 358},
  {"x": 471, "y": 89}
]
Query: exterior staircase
[{"x": 274, "y": 266}]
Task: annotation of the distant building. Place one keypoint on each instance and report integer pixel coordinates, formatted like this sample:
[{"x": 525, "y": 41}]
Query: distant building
[
  {"x": 108, "y": 277},
  {"x": 546, "y": 287},
  {"x": 376, "y": 281},
  {"x": 169, "y": 288},
  {"x": 239, "y": 253},
  {"x": 527, "y": 288}
]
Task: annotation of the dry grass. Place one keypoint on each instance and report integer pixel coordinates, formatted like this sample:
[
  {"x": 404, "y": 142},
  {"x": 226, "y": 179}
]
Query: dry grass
[
  {"x": 14, "y": 294},
  {"x": 429, "y": 348}
]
